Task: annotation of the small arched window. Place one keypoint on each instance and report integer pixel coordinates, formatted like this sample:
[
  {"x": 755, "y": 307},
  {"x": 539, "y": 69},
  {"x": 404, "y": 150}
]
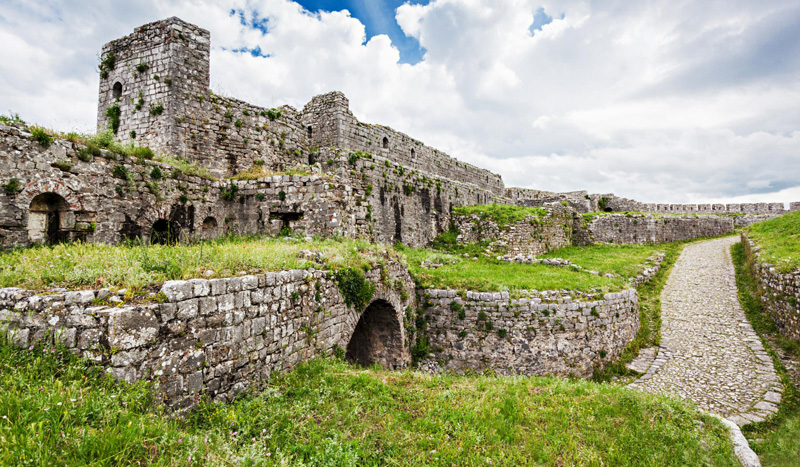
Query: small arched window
[
  {"x": 413, "y": 153},
  {"x": 310, "y": 131},
  {"x": 116, "y": 91},
  {"x": 385, "y": 143}
]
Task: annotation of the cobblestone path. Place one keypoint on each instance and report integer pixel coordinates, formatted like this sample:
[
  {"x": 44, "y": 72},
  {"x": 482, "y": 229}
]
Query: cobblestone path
[{"x": 709, "y": 353}]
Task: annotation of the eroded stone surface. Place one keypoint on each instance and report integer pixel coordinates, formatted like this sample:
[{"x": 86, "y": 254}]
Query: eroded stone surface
[{"x": 709, "y": 352}]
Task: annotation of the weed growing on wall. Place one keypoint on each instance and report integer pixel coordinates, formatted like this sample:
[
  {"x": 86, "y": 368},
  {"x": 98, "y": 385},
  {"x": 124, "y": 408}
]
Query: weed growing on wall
[
  {"x": 107, "y": 64},
  {"x": 12, "y": 187},
  {"x": 41, "y": 136},
  {"x": 229, "y": 193}
]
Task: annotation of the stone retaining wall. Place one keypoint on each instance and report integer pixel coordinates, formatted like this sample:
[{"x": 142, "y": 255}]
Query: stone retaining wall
[
  {"x": 647, "y": 228},
  {"x": 550, "y": 333},
  {"x": 532, "y": 236},
  {"x": 217, "y": 336},
  {"x": 779, "y": 292}
]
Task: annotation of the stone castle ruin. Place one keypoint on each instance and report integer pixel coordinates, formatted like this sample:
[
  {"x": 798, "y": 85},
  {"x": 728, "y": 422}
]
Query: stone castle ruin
[
  {"x": 332, "y": 173},
  {"x": 229, "y": 167}
]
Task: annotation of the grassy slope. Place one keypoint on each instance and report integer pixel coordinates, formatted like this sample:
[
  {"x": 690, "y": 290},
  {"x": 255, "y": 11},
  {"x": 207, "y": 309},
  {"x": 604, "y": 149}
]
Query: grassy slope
[
  {"x": 54, "y": 410},
  {"x": 502, "y": 214},
  {"x": 489, "y": 274},
  {"x": 782, "y": 432},
  {"x": 780, "y": 240},
  {"x": 77, "y": 265},
  {"x": 625, "y": 260}
]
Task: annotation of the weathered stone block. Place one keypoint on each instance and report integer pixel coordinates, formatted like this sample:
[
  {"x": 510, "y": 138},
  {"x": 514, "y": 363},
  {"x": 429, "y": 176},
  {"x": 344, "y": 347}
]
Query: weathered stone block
[
  {"x": 176, "y": 291},
  {"x": 131, "y": 327}
]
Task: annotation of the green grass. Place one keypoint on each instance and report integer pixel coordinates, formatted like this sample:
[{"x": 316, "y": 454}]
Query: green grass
[
  {"x": 80, "y": 265},
  {"x": 57, "y": 410},
  {"x": 501, "y": 214},
  {"x": 625, "y": 260},
  {"x": 490, "y": 275},
  {"x": 780, "y": 433},
  {"x": 780, "y": 241},
  {"x": 649, "y": 334}
]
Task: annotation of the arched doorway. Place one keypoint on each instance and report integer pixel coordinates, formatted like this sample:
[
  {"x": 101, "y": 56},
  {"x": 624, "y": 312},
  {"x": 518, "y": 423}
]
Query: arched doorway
[
  {"x": 47, "y": 219},
  {"x": 164, "y": 232},
  {"x": 377, "y": 337},
  {"x": 209, "y": 228}
]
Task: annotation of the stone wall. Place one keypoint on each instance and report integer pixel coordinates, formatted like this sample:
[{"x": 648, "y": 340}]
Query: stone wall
[
  {"x": 222, "y": 133},
  {"x": 532, "y": 236},
  {"x": 154, "y": 67},
  {"x": 405, "y": 205},
  {"x": 216, "y": 337},
  {"x": 779, "y": 292},
  {"x": 647, "y": 228},
  {"x": 550, "y": 333},
  {"x": 577, "y": 200},
  {"x": 113, "y": 197},
  {"x": 753, "y": 212},
  {"x": 337, "y": 126}
]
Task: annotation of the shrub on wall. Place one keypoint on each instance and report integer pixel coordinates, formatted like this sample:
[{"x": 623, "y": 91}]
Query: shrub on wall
[
  {"x": 229, "y": 193},
  {"x": 356, "y": 290},
  {"x": 41, "y": 136},
  {"x": 113, "y": 113}
]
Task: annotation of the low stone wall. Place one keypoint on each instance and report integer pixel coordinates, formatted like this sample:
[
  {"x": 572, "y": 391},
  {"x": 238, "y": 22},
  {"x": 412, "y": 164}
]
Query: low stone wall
[
  {"x": 218, "y": 336},
  {"x": 779, "y": 292},
  {"x": 531, "y": 236},
  {"x": 647, "y": 228},
  {"x": 551, "y": 333}
]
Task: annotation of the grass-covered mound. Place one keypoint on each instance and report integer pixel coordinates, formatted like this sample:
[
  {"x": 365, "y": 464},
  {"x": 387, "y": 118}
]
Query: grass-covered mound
[
  {"x": 76, "y": 265},
  {"x": 780, "y": 240},
  {"x": 501, "y": 214},
  {"x": 56, "y": 410},
  {"x": 487, "y": 274}
]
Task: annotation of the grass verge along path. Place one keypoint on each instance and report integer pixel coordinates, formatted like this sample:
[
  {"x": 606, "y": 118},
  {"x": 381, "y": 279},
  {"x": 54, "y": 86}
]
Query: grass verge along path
[
  {"x": 780, "y": 434},
  {"x": 649, "y": 334},
  {"x": 57, "y": 410}
]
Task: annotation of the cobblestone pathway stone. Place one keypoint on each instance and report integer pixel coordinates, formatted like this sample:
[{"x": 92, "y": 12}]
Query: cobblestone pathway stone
[{"x": 709, "y": 353}]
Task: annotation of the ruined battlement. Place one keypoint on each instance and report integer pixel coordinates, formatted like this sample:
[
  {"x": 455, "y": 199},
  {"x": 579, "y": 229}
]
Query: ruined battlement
[{"x": 158, "y": 78}]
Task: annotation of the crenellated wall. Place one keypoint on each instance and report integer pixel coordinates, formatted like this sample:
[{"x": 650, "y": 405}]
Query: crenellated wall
[
  {"x": 216, "y": 337},
  {"x": 745, "y": 213}
]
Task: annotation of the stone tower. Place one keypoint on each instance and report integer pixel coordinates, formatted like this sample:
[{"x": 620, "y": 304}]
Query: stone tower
[{"x": 151, "y": 79}]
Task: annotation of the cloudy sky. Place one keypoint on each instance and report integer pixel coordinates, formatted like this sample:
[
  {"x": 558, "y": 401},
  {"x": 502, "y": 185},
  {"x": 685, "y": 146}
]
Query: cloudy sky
[{"x": 669, "y": 101}]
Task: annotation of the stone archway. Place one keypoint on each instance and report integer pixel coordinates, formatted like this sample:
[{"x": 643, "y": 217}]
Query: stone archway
[
  {"x": 378, "y": 337},
  {"x": 48, "y": 219}
]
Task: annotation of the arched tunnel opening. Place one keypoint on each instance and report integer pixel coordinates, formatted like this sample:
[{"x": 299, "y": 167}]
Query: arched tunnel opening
[{"x": 377, "y": 337}]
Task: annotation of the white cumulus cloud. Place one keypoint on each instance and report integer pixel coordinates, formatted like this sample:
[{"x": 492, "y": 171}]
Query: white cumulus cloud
[{"x": 658, "y": 101}]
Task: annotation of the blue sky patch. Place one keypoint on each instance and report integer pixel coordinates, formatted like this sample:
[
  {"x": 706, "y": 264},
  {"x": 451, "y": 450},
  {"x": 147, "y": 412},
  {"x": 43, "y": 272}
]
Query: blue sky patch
[
  {"x": 378, "y": 18},
  {"x": 540, "y": 19}
]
